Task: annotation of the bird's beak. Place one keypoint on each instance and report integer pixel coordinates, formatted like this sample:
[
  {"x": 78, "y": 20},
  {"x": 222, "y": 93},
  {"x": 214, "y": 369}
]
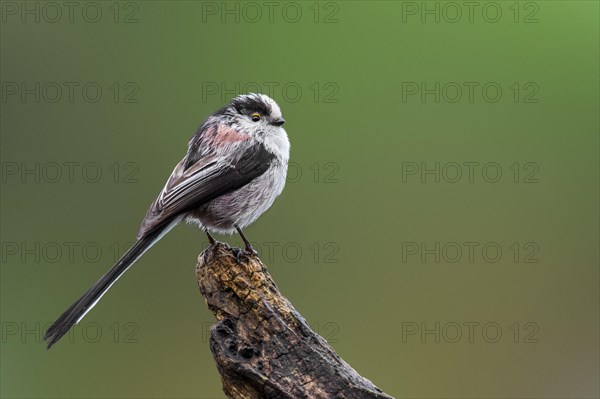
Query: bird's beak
[{"x": 278, "y": 122}]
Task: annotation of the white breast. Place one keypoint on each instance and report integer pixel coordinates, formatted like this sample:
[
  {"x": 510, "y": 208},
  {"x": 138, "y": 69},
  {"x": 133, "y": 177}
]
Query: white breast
[{"x": 244, "y": 205}]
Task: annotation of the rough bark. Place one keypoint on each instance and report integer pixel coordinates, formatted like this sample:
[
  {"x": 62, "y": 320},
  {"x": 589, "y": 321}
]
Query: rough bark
[{"x": 262, "y": 346}]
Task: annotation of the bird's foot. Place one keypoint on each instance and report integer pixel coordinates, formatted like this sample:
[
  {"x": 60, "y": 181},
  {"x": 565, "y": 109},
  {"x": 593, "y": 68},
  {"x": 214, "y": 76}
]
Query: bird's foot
[
  {"x": 211, "y": 239},
  {"x": 249, "y": 249}
]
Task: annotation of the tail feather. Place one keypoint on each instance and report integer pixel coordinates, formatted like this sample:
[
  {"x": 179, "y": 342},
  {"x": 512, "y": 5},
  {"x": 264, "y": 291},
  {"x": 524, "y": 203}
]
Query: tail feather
[{"x": 87, "y": 301}]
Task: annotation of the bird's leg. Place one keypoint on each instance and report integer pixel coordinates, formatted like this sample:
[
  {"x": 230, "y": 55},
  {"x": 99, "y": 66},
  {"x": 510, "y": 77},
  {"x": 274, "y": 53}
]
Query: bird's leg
[
  {"x": 248, "y": 245},
  {"x": 211, "y": 240}
]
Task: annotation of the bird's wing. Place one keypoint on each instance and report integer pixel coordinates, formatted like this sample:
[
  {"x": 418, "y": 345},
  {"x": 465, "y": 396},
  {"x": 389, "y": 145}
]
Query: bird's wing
[{"x": 208, "y": 178}]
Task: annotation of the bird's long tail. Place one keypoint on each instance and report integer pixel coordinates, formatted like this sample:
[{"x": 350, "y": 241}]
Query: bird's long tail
[{"x": 84, "y": 304}]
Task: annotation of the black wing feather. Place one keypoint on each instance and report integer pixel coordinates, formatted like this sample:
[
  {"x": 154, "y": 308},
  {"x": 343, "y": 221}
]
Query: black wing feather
[{"x": 207, "y": 179}]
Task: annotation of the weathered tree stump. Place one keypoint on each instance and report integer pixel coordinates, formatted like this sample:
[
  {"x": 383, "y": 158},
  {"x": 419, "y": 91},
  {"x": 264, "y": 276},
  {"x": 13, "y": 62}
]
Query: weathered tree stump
[{"x": 262, "y": 346}]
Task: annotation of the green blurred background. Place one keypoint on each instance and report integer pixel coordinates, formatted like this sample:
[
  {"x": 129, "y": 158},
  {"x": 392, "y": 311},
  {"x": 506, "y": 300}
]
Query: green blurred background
[{"x": 364, "y": 249}]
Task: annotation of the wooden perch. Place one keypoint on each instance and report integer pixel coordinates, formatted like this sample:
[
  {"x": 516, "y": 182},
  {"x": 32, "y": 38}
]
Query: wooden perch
[{"x": 262, "y": 346}]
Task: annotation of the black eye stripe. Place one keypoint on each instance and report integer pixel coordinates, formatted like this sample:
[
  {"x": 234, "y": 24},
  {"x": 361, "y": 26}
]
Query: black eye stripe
[{"x": 250, "y": 104}]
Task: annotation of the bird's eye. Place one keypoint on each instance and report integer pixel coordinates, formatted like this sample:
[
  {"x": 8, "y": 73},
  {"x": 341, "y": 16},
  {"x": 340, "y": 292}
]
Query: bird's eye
[{"x": 255, "y": 117}]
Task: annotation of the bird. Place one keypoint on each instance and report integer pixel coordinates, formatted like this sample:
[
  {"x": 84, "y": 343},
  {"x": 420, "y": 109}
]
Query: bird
[{"x": 234, "y": 169}]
